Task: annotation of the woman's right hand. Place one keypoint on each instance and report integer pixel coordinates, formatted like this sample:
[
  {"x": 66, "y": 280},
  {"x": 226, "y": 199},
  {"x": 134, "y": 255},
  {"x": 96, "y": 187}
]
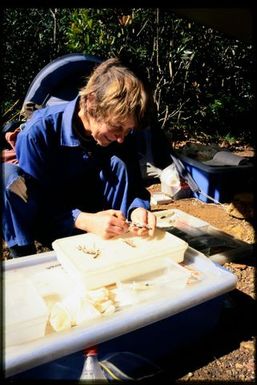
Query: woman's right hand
[{"x": 107, "y": 223}]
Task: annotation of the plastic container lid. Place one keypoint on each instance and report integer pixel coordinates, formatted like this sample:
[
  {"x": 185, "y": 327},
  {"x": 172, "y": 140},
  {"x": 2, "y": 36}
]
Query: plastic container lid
[{"x": 98, "y": 262}]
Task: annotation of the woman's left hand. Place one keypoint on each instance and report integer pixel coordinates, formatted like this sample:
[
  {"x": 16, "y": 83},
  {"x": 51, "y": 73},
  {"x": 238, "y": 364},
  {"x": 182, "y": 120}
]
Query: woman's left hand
[{"x": 143, "y": 222}]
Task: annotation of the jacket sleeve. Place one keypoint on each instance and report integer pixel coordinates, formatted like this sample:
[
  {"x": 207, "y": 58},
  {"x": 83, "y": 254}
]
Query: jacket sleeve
[
  {"x": 138, "y": 195},
  {"x": 33, "y": 149}
]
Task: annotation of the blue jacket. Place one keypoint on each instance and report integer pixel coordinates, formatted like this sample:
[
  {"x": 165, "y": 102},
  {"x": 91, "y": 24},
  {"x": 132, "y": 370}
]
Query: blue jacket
[{"x": 67, "y": 173}]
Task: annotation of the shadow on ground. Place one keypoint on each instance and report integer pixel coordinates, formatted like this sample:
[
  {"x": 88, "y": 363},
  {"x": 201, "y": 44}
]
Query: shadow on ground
[{"x": 236, "y": 325}]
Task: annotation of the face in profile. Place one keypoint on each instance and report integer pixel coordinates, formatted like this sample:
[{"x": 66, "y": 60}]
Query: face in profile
[{"x": 106, "y": 133}]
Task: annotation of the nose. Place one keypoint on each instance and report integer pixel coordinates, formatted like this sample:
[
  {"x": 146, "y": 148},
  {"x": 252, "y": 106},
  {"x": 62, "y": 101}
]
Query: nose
[{"x": 119, "y": 137}]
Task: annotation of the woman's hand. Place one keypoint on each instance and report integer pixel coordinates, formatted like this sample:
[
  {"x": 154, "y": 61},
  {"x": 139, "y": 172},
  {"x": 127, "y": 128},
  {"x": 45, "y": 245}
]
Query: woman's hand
[
  {"x": 110, "y": 223},
  {"x": 107, "y": 224},
  {"x": 145, "y": 219}
]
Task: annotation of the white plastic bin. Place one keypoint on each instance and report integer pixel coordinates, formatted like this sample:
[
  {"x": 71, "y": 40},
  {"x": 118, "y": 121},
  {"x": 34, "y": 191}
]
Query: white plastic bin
[{"x": 214, "y": 282}]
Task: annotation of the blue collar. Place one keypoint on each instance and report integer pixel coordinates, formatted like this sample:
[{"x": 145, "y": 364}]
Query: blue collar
[{"x": 67, "y": 134}]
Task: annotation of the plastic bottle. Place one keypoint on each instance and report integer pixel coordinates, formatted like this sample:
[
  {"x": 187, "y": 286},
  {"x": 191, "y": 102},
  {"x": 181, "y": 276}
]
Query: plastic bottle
[{"x": 92, "y": 369}]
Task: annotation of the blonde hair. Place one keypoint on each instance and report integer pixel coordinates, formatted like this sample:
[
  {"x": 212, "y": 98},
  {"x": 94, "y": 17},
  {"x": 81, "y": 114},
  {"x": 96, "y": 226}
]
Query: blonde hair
[{"x": 115, "y": 93}]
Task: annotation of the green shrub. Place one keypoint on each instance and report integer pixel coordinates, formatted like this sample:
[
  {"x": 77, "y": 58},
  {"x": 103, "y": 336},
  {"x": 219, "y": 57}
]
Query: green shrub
[{"x": 202, "y": 81}]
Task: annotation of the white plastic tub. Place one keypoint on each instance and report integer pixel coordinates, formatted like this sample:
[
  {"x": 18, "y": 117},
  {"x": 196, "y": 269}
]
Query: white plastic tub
[
  {"x": 214, "y": 282},
  {"x": 26, "y": 314}
]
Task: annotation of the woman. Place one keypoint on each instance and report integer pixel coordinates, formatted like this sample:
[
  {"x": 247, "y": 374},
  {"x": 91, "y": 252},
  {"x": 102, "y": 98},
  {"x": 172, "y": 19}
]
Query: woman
[{"x": 77, "y": 166}]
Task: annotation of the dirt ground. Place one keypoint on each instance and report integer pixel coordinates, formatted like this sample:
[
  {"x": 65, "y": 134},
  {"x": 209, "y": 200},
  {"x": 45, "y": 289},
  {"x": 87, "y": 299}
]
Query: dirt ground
[{"x": 228, "y": 353}]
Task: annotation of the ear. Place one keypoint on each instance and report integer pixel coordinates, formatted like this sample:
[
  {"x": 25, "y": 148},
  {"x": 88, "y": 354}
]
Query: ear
[{"x": 90, "y": 99}]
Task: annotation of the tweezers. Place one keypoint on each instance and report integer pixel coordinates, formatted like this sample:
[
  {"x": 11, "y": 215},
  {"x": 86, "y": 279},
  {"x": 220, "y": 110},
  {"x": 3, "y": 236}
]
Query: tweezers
[{"x": 138, "y": 225}]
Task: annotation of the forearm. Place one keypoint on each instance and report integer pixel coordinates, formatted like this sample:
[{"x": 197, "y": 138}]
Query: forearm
[{"x": 84, "y": 221}]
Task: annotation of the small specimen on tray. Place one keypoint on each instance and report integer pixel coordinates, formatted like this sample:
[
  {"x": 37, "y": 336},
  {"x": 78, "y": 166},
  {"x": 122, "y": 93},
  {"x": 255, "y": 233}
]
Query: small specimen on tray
[{"x": 94, "y": 251}]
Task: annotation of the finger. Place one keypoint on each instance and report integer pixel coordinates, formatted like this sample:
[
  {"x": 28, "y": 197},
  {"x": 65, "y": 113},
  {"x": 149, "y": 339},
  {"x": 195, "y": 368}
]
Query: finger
[
  {"x": 114, "y": 231},
  {"x": 152, "y": 220},
  {"x": 143, "y": 217},
  {"x": 142, "y": 231},
  {"x": 118, "y": 214},
  {"x": 139, "y": 216},
  {"x": 117, "y": 225},
  {"x": 120, "y": 220}
]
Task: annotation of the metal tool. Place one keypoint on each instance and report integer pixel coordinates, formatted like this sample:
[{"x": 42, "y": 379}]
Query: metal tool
[{"x": 138, "y": 225}]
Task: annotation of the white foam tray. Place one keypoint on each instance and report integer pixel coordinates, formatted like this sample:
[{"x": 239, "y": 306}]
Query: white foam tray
[{"x": 215, "y": 281}]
